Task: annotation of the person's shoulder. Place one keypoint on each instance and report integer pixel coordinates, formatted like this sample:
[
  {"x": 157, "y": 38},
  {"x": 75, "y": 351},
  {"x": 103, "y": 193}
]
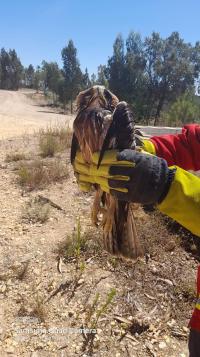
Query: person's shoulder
[{"x": 192, "y": 131}]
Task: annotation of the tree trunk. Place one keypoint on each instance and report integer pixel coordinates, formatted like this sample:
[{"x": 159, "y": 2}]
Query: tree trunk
[
  {"x": 64, "y": 105},
  {"x": 71, "y": 102},
  {"x": 54, "y": 98},
  {"x": 158, "y": 110},
  {"x": 147, "y": 121}
]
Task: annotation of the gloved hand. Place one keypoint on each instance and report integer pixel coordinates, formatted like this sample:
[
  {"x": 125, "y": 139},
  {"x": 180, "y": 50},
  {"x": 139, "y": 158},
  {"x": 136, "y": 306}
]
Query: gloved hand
[
  {"x": 149, "y": 180},
  {"x": 128, "y": 175},
  {"x": 88, "y": 174}
]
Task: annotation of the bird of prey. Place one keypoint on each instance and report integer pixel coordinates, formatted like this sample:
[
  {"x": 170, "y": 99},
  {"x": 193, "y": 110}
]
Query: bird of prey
[{"x": 103, "y": 123}]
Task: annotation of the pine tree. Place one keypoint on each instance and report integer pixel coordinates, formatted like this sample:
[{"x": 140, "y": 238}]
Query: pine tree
[
  {"x": 38, "y": 79},
  {"x": 5, "y": 69},
  {"x": 86, "y": 80},
  {"x": 102, "y": 75},
  {"x": 11, "y": 70},
  {"x": 93, "y": 79},
  {"x": 52, "y": 76},
  {"x": 29, "y": 76},
  {"x": 16, "y": 70},
  {"x": 116, "y": 68},
  {"x": 72, "y": 72}
]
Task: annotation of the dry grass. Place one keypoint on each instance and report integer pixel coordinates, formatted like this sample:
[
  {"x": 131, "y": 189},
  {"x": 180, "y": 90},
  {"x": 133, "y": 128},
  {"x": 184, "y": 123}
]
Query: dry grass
[
  {"x": 39, "y": 309},
  {"x": 80, "y": 246},
  {"x": 40, "y": 173},
  {"x": 36, "y": 211},
  {"x": 54, "y": 139},
  {"x": 14, "y": 157},
  {"x": 186, "y": 290},
  {"x": 33, "y": 308},
  {"x": 74, "y": 246},
  {"x": 21, "y": 271}
]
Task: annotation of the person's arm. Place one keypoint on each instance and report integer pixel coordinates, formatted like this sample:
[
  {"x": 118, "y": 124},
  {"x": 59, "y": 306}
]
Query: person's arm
[
  {"x": 174, "y": 191},
  {"x": 182, "y": 149},
  {"x": 182, "y": 203},
  {"x": 146, "y": 179}
]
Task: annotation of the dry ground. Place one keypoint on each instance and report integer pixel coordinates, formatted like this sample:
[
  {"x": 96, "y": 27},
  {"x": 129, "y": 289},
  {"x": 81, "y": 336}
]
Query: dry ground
[
  {"x": 20, "y": 115},
  {"x": 47, "y": 293}
]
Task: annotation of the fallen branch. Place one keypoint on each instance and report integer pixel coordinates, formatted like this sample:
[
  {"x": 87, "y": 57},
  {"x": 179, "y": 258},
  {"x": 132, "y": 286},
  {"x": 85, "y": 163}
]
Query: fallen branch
[
  {"x": 59, "y": 265},
  {"x": 53, "y": 204}
]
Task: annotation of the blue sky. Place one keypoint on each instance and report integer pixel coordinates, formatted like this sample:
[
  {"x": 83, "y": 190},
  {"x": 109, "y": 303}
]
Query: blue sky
[{"x": 39, "y": 29}]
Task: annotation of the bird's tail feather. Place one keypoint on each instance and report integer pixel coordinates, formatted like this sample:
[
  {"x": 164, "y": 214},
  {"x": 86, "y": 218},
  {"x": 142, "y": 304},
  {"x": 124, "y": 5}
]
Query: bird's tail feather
[{"x": 122, "y": 240}]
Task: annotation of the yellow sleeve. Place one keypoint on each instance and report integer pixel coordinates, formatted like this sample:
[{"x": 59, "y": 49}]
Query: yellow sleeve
[
  {"x": 148, "y": 146},
  {"x": 182, "y": 202}
]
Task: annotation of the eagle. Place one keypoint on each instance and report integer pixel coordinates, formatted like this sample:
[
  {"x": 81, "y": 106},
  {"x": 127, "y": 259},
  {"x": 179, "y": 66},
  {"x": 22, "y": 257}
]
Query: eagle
[{"x": 103, "y": 123}]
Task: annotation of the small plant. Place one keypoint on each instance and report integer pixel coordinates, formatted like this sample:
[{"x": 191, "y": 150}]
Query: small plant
[
  {"x": 187, "y": 290},
  {"x": 64, "y": 135},
  {"x": 113, "y": 261},
  {"x": 33, "y": 309},
  {"x": 91, "y": 310},
  {"x": 39, "y": 309},
  {"x": 79, "y": 243},
  {"x": 48, "y": 146},
  {"x": 104, "y": 307},
  {"x": 36, "y": 211},
  {"x": 53, "y": 140},
  {"x": 74, "y": 246},
  {"x": 14, "y": 157},
  {"x": 94, "y": 312},
  {"x": 39, "y": 174},
  {"x": 31, "y": 175},
  {"x": 21, "y": 272},
  {"x": 93, "y": 315}
]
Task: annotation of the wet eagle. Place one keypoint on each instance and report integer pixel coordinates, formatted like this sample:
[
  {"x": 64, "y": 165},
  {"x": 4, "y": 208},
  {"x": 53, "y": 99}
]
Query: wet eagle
[{"x": 104, "y": 123}]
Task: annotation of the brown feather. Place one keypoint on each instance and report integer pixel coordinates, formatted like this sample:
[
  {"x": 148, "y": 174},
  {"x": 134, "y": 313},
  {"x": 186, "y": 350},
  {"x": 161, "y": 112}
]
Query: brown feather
[{"x": 94, "y": 117}]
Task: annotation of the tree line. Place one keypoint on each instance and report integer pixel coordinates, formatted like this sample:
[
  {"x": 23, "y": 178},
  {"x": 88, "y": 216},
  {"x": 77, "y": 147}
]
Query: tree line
[
  {"x": 157, "y": 76},
  {"x": 10, "y": 70}
]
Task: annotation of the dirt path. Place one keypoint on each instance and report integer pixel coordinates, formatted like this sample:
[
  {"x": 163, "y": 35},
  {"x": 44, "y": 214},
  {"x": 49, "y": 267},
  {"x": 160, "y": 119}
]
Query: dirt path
[{"x": 19, "y": 114}]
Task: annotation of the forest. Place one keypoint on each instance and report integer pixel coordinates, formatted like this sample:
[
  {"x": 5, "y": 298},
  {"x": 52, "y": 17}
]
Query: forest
[{"x": 158, "y": 77}]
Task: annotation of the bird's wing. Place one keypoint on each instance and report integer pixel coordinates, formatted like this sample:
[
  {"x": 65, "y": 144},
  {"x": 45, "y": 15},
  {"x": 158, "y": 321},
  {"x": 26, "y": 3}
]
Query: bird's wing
[
  {"x": 90, "y": 128},
  {"x": 121, "y": 130},
  {"x": 74, "y": 148}
]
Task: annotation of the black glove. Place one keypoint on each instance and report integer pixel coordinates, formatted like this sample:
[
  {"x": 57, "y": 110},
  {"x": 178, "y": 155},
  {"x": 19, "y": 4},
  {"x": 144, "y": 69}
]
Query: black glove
[{"x": 150, "y": 178}]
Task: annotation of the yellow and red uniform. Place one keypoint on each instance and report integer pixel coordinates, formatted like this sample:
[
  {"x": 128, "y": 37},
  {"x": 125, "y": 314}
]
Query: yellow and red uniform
[
  {"x": 182, "y": 202},
  {"x": 182, "y": 150}
]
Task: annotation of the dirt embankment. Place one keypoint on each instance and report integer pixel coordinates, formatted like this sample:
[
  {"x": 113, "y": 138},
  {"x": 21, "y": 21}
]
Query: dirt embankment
[{"x": 20, "y": 114}]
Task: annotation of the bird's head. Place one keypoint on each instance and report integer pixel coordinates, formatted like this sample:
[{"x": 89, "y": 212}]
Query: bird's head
[{"x": 96, "y": 97}]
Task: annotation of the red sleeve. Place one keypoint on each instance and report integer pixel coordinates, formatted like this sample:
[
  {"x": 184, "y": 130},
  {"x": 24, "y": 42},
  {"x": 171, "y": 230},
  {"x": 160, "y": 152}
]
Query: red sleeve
[{"x": 182, "y": 149}]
